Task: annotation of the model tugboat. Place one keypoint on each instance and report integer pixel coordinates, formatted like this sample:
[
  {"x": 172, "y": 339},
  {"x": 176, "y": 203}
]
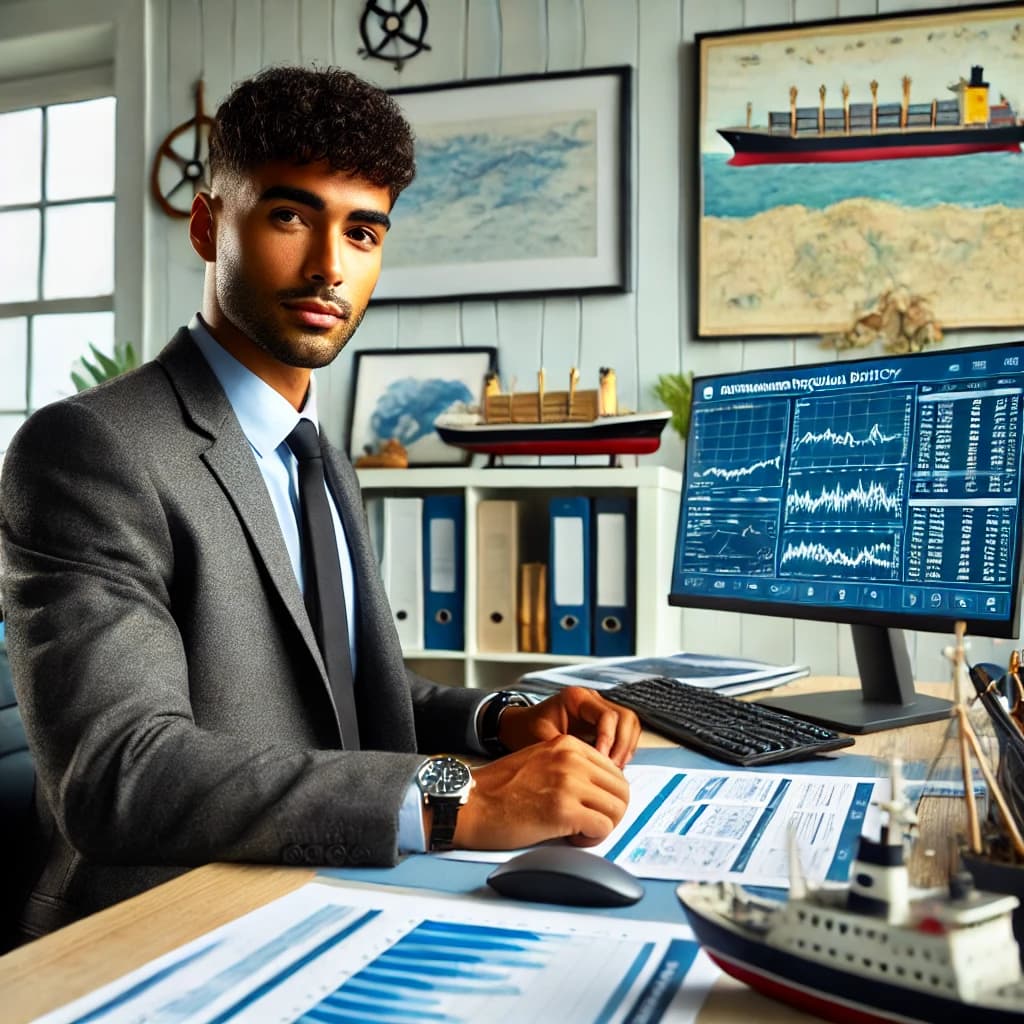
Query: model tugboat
[
  {"x": 874, "y": 951},
  {"x": 542, "y": 422},
  {"x": 969, "y": 123}
]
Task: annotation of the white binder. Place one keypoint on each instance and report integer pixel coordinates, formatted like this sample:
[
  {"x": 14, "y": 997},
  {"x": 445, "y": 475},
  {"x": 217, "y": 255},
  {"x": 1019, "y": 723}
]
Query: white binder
[{"x": 402, "y": 567}]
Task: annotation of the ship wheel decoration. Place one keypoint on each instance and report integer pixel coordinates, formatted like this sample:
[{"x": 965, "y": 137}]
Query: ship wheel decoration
[
  {"x": 180, "y": 167},
  {"x": 391, "y": 33}
]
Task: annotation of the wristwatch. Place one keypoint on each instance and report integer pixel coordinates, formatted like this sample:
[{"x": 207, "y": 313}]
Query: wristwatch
[
  {"x": 445, "y": 782},
  {"x": 490, "y": 721}
]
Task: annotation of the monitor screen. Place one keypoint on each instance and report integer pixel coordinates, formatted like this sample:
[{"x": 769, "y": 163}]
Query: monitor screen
[{"x": 882, "y": 492}]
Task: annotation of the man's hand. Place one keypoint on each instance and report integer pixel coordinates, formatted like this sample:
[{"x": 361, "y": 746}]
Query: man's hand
[
  {"x": 574, "y": 711},
  {"x": 558, "y": 787}
]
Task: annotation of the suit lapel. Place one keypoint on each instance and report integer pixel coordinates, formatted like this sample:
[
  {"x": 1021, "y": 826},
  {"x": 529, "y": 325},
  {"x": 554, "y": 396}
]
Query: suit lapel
[{"x": 229, "y": 458}]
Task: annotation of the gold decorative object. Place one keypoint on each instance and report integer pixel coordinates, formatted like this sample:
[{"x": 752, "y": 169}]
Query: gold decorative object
[
  {"x": 902, "y": 321},
  {"x": 390, "y": 454}
]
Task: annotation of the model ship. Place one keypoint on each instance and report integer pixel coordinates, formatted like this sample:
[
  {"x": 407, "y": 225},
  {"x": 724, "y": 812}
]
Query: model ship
[
  {"x": 542, "y": 422},
  {"x": 968, "y": 123},
  {"x": 876, "y": 950},
  {"x": 994, "y": 847}
]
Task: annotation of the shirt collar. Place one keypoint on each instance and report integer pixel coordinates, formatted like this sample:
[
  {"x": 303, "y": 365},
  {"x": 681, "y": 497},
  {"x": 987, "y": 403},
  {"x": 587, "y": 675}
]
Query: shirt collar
[{"x": 266, "y": 417}]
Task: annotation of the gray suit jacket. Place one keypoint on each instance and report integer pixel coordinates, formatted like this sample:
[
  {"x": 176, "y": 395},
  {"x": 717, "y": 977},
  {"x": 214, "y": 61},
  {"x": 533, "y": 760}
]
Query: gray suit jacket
[{"x": 171, "y": 686}]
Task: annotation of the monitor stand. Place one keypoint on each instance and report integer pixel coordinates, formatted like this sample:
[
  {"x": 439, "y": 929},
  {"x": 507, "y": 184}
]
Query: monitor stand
[{"x": 886, "y": 700}]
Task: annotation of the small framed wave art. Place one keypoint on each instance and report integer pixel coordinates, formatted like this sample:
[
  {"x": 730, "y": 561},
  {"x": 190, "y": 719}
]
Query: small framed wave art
[
  {"x": 522, "y": 188},
  {"x": 843, "y": 160},
  {"x": 399, "y": 393}
]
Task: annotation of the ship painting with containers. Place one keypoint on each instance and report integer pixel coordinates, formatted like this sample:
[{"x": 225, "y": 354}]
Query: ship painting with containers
[{"x": 869, "y": 130}]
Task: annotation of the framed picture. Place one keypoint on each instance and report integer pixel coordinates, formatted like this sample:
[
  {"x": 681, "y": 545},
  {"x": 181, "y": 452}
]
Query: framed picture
[
  {"x": 840, "y": 161},
  {"x": 398, "y": 393},
  {"x": 522, "y": 188}
]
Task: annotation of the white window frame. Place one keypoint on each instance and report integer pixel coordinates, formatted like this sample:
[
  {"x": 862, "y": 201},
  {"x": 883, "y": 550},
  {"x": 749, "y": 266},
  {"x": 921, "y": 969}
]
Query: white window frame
[{"x": 45, "y": 91}]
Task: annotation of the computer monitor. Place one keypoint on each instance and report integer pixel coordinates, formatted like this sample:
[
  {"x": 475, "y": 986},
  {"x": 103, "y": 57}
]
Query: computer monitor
[{"x": 883, "y": 492}]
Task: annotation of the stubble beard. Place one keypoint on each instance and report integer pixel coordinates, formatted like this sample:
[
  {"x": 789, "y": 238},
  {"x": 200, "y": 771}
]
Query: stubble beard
[{"x": 310, "y": 350}]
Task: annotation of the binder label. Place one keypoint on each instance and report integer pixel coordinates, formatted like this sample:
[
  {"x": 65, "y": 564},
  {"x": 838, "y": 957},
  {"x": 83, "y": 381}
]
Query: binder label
[
  {"x": 611, "y": 562},
  {"x": 442, "y": 556},
  {"x": 568, "y": 552}
]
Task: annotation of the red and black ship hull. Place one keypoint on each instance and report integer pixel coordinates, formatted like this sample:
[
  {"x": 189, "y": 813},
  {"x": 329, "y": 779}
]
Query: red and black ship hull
[
  {"x": 751, "y": 146},
  {"x": 637, "y": 434},
  {"x": 829, "y": 993}
]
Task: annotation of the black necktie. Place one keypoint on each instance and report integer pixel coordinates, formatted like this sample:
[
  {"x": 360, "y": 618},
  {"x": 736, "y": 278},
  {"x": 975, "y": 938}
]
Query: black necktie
[{"x": 325, "y": 595}]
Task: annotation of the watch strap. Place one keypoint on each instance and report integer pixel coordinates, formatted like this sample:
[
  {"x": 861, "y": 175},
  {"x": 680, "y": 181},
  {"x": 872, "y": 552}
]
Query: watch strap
[
  {"x": 491, "y": 719},
  {"x": 442, "y": 824}
]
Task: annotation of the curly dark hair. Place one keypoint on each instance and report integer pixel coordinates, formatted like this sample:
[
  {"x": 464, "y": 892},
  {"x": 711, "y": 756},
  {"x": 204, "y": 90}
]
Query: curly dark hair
[{"x": 304, "y": 115}]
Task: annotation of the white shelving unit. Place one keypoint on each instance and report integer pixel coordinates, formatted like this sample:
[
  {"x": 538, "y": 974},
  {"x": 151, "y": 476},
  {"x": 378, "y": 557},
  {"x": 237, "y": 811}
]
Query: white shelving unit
[{"x": 656, "y": 491}]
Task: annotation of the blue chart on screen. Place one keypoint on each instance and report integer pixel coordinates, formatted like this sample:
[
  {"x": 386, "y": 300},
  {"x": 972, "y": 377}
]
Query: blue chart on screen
[{"x": 878, "y": 485}]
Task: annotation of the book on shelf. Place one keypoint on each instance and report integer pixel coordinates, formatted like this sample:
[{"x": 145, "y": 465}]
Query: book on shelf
[{"x": 731, "y": 676}]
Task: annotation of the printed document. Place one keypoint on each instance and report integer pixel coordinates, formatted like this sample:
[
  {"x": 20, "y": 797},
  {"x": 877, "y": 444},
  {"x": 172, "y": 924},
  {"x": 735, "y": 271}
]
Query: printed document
[
  {"x": 722, "y": 825},
  {"x": 330, "y": 953},
  {"x": 731, "y": 676}
]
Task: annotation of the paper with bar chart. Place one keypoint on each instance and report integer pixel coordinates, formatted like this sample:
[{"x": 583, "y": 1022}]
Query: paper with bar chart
[{"x": 329, "y": 954}]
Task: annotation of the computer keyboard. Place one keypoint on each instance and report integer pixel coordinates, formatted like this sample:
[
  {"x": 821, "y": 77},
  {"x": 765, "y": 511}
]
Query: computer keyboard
[{"x": 723, "y": 727}]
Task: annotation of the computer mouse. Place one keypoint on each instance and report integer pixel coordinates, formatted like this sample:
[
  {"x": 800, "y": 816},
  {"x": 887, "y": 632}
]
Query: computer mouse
[{"x": 567, "y": 875}]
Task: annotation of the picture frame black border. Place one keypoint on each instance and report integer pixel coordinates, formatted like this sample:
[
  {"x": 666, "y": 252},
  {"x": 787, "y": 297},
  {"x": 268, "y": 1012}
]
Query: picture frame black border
[
  {"x": 624, "y": 74},
  {"x": 695, "y": 133},
  {"x": 492, "y": 367}
]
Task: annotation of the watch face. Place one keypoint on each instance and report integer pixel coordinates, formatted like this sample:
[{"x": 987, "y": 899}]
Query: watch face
[{"x": 444, "y": 776}]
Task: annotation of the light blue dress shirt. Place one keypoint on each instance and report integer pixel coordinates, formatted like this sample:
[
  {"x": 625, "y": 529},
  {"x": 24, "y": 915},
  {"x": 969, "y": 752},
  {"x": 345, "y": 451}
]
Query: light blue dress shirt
[{"x": 266, "y": 419}]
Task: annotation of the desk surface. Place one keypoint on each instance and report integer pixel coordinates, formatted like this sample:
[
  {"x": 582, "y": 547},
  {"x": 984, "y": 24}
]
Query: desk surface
[{"x": 58, "y": 968}]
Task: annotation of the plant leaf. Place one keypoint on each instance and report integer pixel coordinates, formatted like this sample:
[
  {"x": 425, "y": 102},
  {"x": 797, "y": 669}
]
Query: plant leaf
[
  {"x": 110, "y": 368},
  {"x": 81, "y": 384},
  {"x": 97, "y": 373},
  {"x": 128, "y": 359}
]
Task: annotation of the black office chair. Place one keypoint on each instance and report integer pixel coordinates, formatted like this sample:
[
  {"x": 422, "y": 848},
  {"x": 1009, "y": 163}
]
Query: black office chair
[{"x": 19, "y": 850}]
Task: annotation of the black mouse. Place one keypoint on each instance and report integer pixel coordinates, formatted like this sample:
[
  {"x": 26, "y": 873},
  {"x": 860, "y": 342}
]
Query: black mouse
[{"x": 567, "y": 875}]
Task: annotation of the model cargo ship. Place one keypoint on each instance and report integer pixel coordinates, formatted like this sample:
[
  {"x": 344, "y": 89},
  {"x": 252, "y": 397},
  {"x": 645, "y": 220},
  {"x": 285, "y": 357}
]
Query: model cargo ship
[
  {"x": 875, "y": 951},
  {"x": 542, "y": 422},
  {"x": 969, "y": 123}
]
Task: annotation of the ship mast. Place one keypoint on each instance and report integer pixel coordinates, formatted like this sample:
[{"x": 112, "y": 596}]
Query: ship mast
[{"x": 879, "y": 880}]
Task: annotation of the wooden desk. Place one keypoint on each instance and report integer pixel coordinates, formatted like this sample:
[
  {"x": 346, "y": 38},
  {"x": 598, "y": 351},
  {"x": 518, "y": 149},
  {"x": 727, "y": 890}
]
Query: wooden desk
[{"x": 60, "y": 967}]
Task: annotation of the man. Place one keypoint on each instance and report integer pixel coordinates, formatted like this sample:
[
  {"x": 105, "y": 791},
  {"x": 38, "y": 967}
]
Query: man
[{"x": 170, "y": 679}]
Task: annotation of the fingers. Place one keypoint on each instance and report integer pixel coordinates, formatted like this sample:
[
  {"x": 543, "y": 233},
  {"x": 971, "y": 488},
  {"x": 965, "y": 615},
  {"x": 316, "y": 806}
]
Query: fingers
[
  {"x": 616, "y": 729},
  {"x": 559, "y": 788}
]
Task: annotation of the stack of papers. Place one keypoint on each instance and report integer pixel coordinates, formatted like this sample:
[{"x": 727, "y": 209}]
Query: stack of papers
[{"x": 730, "y": 676}]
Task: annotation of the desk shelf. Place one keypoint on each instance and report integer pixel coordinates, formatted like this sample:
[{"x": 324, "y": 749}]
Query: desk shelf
[{"x": 655, "y": 490}]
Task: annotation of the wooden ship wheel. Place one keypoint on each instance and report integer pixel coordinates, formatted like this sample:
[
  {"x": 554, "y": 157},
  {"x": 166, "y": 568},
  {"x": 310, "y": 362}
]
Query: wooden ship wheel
[{"x": 172, "y": 170}]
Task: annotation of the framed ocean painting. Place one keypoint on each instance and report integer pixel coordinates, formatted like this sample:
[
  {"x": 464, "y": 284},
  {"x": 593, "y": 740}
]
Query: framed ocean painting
[
  {"x": 841, "y": 160},
  {"x": 522, "y": 188},
  {"x": 399, "y": 392}
]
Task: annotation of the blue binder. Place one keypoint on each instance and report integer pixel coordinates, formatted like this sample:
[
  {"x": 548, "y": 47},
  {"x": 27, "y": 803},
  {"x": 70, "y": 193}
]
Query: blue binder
[
  {"x": 444, "y": 574},
  {"x": 569, "y": 600},
  {"x": 614, "y": 532}
]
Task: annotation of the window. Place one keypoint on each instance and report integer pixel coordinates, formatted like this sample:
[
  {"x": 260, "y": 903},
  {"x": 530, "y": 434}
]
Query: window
[{"x": 57, "y": 256}]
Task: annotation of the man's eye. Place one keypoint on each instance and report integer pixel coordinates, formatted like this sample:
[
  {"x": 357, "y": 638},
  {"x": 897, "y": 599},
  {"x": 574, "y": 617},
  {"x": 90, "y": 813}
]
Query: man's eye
[
  {"x": 364, "y": 236},
  {"x": 284, "y": 216}
]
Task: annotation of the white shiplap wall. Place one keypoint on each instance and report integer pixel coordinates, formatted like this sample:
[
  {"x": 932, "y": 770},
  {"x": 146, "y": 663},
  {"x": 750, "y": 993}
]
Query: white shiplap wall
[{"x": 642, "y": 333}]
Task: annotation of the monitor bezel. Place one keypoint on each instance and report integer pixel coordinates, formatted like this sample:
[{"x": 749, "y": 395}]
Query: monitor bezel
[{"x": 1009, "y": 628}]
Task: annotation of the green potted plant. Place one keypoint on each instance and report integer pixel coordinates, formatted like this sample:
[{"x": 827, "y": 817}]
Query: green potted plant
[
  {"x": 103, "y": 367},
  {"x": 674, "y": 391}
]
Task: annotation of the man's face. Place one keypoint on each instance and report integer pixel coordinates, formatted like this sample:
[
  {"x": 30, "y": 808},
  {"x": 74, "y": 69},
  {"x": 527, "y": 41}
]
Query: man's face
[{"x": 298, "y": 253}]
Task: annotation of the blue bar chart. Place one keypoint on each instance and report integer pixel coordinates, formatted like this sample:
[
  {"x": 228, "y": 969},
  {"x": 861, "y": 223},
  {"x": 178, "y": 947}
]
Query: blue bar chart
[{"x": 327, "y": 954}]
